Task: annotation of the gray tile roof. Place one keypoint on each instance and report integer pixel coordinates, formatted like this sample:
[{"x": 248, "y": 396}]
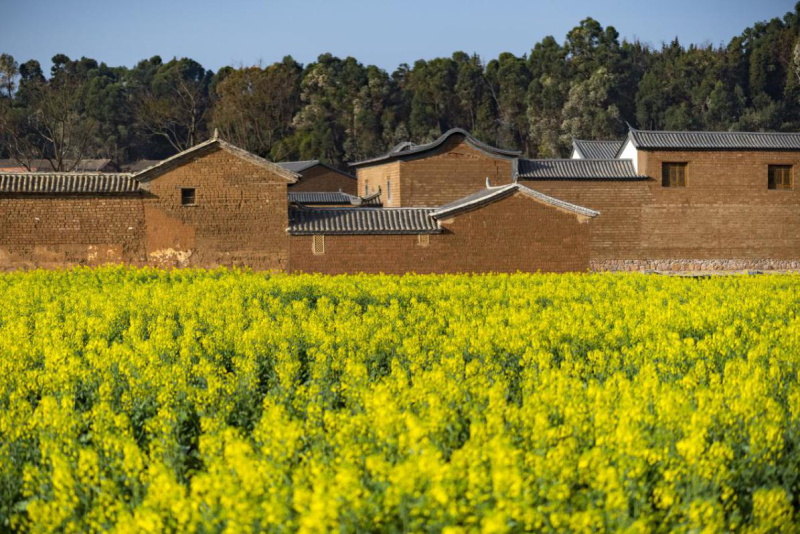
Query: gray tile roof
[
  {"x": 492, "y": 194},
  {"x": 326, "y": 197},
  {"x": 407, "y": 149},
  {"x": 300, "y": 166},
  {"x": 597, "y": 149},
  {"x": 140, "y": 165},
  {"x": 647, "y": 139},
  {"x": 323, "y": 197},
  {"x": 43, "y": 165},
  {"x": 572, "y": 169},
  {"x": 342, "y": 221},
  {"x": 67, "y": 183}
]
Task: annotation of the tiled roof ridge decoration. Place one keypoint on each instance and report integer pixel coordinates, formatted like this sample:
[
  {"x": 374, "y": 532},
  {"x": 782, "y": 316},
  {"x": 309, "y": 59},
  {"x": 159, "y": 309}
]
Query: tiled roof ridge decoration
[
  {"x": 491, "y": 194},
  {"x": 416, "y": 149},
  {"x": 708, "y": 140},
  {"x": 303, "y": 165},
  {"x": 589, "y": 169},
  {"x": 369, "y": 220},
  {"x": 164, "y": 165},
  {"x": 597, "y": 148},
  {"x": 65, "y": 182}
]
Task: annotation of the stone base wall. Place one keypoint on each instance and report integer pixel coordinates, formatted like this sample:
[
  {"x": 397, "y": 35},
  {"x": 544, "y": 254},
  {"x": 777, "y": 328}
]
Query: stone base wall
[{"x": 689, "y": 265}]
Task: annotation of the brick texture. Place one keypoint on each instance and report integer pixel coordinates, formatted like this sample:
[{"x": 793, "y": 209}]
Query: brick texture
[
  {"x": 240, "y": 218},
  {"x": 60, "y": 230},
  {"x": 450, "y": 172},
  {"x": 320, "y": 178},
  {"x": 513, "y": 234},
  {"x": 725, "y": 212}
]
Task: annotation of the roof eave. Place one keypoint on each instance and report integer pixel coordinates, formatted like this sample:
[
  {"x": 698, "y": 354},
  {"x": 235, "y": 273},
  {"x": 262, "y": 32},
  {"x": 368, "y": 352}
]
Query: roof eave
[{"x": 156, "y": 170}]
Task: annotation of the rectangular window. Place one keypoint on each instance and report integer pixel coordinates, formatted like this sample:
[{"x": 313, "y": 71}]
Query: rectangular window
[
  {"x": 318, "y": 244},
  {"x": 673, "y": 174},
  {"x": 187, "y": 197},
  {"x": 423, "y": 240},
  {"x": 780, "y": 177},
  {"x": 388, "y": 190}
]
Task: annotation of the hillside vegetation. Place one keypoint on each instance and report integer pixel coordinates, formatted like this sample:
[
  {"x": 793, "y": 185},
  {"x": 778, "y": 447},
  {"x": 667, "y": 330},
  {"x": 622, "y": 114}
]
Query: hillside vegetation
[{"x": 586, "y": 84}]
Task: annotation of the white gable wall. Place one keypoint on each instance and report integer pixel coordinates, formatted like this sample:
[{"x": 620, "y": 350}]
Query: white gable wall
[{"x": 629, "y": 152}]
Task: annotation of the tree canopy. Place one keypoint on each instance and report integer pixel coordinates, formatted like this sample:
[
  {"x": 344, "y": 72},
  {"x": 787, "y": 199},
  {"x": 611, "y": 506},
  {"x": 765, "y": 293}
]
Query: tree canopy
[{"x": 338, "y": 110}]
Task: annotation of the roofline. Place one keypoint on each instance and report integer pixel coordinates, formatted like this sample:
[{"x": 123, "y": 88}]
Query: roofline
[
  {"x": 156, "y": 170},
  {"x": 621, "y": 148},
  {"x": 636, "y": 145},
  {"x": 290, "y": 231},
  {"x": 66, "y": 173},
  {"x": 431, "y": 231},
  {"x": 524, "y": 176},
  {"x": 420, "y": 149},
  {"x": 314, "y": 163},
  {"x": 506, "y": 190}
]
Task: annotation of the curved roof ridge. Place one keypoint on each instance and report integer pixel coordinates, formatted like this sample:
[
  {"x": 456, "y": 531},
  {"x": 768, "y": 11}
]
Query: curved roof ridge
[{"x": 417, "y": 149}]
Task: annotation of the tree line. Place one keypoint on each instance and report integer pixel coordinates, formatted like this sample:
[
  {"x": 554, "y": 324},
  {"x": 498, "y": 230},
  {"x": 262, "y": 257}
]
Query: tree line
[{"x": 590, "y": 86}]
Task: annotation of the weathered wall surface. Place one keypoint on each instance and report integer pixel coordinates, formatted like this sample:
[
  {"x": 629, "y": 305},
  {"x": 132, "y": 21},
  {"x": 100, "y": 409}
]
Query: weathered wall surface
[
  {"x": 239, "y": 219},
  {"x": 322, "y": 179},
  {"x": 616, "y": 232},
  {"x": 370, "y": 179},
  {"x": 67, "y": 230},
  {"x": 512, "y": 234},
  {"x": 448, "y": 173},
  {"x": 453, "y": 171},
  {"x": 725, "y": 217}
]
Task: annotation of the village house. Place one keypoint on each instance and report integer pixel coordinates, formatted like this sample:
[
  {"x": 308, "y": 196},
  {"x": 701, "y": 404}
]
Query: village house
[{"x": 653, "y": 201}]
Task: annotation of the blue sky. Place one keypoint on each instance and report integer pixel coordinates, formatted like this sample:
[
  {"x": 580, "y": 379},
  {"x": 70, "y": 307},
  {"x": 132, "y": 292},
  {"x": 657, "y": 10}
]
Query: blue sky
[{"x": 380, "y": 32}]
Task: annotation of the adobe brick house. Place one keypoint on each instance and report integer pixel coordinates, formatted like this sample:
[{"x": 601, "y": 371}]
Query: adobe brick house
[{"x": 665, "y": 200}]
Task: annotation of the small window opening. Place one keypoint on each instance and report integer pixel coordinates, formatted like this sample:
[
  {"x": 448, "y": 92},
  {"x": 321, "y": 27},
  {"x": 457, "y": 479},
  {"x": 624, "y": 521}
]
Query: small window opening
[
  {"x": 780, "y": 177},
  {"x": 366, "y": 188},
  {"x": 318, "y": 244},
  {"x": 188, "y": 197},
  {"x": 423, "y": 240},
  {"x": 673, "y": 174}
]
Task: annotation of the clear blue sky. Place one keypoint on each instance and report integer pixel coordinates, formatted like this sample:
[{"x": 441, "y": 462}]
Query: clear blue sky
[{"x": 380, "y": 32}]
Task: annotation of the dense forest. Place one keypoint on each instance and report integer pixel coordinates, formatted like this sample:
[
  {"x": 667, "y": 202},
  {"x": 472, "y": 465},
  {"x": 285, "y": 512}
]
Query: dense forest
[{"x": 338, "y": 110}]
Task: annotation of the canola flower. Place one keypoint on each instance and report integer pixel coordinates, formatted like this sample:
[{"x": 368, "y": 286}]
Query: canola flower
[{"x": 139, "y": 400}]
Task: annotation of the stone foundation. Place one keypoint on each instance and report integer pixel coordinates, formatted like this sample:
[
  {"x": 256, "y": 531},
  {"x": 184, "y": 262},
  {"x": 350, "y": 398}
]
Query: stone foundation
[{"x": 690, "y": 265}]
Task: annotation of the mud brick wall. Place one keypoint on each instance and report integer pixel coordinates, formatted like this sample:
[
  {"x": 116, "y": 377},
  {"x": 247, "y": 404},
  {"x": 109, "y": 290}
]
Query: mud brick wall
[
  {"x": 450, "y": 172},
  {"x": 321, "y": 179},
  {"x": 370, "y": 179},
  {"x": 725, "y": 210},
  {"x": 239, "y": 219},
  {"x": 66, "y": 230},
  {"x": 513, "y": 234}
]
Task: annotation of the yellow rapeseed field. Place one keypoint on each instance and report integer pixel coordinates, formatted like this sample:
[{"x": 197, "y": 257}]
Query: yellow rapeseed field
[{"x": 138, "y": 400}]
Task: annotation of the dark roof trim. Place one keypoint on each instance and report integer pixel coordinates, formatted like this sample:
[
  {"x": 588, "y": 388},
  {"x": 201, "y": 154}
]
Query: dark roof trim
[
  {"x": 492, "y": 194},
  {"x": 578, "y": 169},
  {"x": 170, "y": 163},
  {"x": 597, "y": 149},
  {"x": 704, "y": 140},
  {"x": 301, "y": 166},
  {"x": 329, "y": 198},
  {"x": 403, "y": 151},
  {"x": 46, "y": 183},
  {"x": 361, "y": 221}
]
